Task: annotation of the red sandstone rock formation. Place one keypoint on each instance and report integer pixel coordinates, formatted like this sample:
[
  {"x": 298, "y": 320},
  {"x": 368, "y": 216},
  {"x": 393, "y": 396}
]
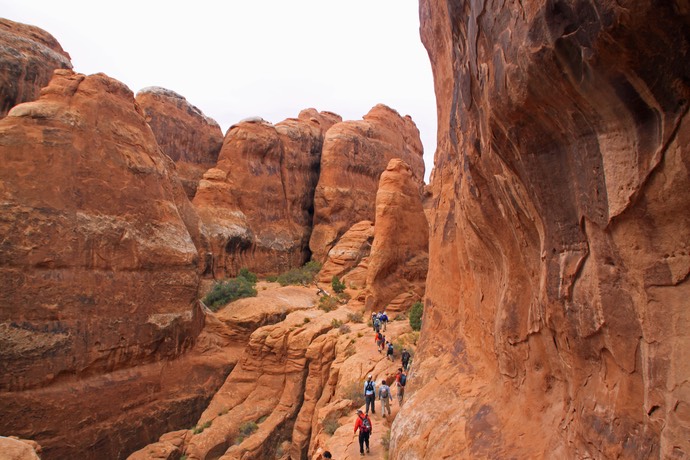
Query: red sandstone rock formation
[
  {"x": 355, "y": 153},
  {"x": 556, "y": 318},
  {"x": 399, "y": 254},
  {"x": 13, "y": 448},
  {"x": 28, "y": 57},
  {"x": 184, "y": 133},
  {"x": 348, "y": 258},
  {"x": 99, "y": 273},
  {"x": 257, "y": 202}
]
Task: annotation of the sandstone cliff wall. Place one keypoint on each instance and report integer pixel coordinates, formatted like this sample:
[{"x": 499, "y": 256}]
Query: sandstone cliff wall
[
  {"x": 186, "y": 135},
  {"x": 556, "y": 315},
  {"x": 257, "y": 203},
  {"x": 355, "y": 153},
  {"x": 99, "y": 272},
  {"x": 28, "y": 57}
]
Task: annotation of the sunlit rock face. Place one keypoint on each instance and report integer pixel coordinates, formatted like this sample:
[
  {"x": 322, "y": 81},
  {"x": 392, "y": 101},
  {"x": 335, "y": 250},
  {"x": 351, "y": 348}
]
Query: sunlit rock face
[
  {"x": 28, "y": 57},
  {"x": 257, "y": 203},
  {"x": 556, "y": 310},
  {"x": 399, "y": 256},
  {"x": 355, "y": 153},
  {"x": 185, "y": 134},
  {"x": 99, "y": 272}
]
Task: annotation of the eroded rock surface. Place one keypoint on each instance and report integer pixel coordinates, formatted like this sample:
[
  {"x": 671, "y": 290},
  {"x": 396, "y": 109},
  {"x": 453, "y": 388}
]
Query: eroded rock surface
[
  {"x": 355, "y": 153},
  {"x": 28, "y": 57},
  {"x": 555, "y": 315},
  {"x": 399, "y": 260},
  {"x": 185, "y": 134},
  {"x": 99, "y": 275},
  {"x": 257, "y": 203},
  {"x": 348, "y": 258}
]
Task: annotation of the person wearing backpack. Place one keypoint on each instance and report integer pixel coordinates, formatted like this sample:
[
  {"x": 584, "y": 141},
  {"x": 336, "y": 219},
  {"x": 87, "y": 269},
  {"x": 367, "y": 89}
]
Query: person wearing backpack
[
  {"x": 370, "y": 394},
  {"x": 389, "y": 352},
  {"x": 385, "y": 398},
  {"x": 363, "y": 424},
  {"x": 400, "y": 382},
  {"x": 384, "y": 320},
  {"x": 405, "y": 356}
]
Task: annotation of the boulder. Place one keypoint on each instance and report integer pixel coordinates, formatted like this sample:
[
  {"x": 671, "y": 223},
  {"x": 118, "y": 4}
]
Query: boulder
[
  {"x": 348, "y": 254},
  {"x": 13, "y": 448},
  {"x": 355, "y": 153},
  {"x": 28, "y": 57},
  {"x": 555, "y": 315},
  {"x": 185, "y": 134}
]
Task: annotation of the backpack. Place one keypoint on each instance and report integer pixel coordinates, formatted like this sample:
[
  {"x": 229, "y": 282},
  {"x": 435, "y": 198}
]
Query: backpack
[
  {"x": 390, "y": 348},
  {"x": 370, "y": 386},
  {"x": 403, "y": 379},
  {"x": 384, "y": 392},
  {"x": 377, "y": 323},
  {"x": 406, "y": 356},
  {"x": 366, "y": 425}
]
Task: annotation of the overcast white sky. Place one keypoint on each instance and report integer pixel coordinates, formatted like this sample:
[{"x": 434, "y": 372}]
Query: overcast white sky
[{"x": 269, "y": 58}]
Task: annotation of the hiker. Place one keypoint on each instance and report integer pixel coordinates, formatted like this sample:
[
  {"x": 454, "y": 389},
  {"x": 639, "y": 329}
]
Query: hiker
[
  {"x": 405, "y": 356},
  {"x": 400, "y": 382},
  {"x": 381, "y": 343},
  {"x": 377, "y": 324},
  {"x": 384, "y": 320},
  {"x": 385, "y": 397},
  {"x": 389, "y": 352},
  {"x": 363, "y": 423},
  {"x": 370, "y": 394},
  {"x": 377, "y": 340},
  {"x": 374, "y": 315}
]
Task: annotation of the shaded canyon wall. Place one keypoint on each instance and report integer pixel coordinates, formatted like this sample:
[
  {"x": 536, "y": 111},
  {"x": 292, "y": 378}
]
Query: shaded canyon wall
[{"x": 556, "y": 312}]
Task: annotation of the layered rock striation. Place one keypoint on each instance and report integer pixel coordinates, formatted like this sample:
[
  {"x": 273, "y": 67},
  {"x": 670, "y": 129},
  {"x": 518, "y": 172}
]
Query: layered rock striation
[
  {"x": 191, "y": 139},
  {"x": 99, "y": 274},
  {"x": 257, "y": 203},
  {"x": 28, "y": 57},
  {"x": 555, "y": 312},
  {"x": 355, "y": 153}
]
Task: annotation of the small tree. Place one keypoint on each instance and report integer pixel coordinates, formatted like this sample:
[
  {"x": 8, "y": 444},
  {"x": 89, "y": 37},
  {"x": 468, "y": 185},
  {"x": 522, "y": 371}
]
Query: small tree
[
  {"x": 249, "y": 276},
  {"x": 337, "y": 285},
  {"x": 416, "y": 312}
]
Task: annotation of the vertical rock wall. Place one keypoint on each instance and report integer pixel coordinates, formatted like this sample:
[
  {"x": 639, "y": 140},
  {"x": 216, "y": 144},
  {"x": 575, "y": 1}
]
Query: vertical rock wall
[
  {"x": 355, "y": 153},
  {"x": 556, "y": 316}
]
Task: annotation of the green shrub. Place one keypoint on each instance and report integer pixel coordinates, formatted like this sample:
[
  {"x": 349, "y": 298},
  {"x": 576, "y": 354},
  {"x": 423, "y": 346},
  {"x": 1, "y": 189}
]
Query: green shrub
[
  {"x": 249, "y": 276},
  {"x": 304, "y": 275},
  {"x": 344, "y": 329},
  {"x": 336, "y": 323},
  {"x": 337, "y": 285},
  {"x": 200, "y": 428},
  {"x": 272, "y": 278},
  {"x": 246, "y": 429},
  {"x": 416, "y": 312},
  {"x": 328, "y": 303},
  {"x": 343, "y": 297},
  {"x": 330, "y": 424},
  {"x": 224, "y": 292}
]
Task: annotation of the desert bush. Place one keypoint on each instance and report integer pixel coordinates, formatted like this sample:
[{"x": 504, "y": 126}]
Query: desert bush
[
  {"x": 328, "y": 303},
  {"x": 416, "y": 312},
  {"x": 246, "y": 429},
  {"x": 337, "y": 285},
  {"x": 336, "y": 323},
  {"x": 306, "y": 320},
  {"x": 249, "y": 276},
  {"x": 303, "y": 275},
  {"x": 355, "y": 317},
  {"x": 200, "y": 428},
  {"x": 354, "y": 391},
  {"x": 344, "y": 329},
  {"x": 330, "y": 424},
  {"x": 224, "y": 292}
]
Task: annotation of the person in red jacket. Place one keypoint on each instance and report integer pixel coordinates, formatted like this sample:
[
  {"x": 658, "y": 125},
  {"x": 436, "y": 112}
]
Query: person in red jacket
[{"x": 363, "y": 424}]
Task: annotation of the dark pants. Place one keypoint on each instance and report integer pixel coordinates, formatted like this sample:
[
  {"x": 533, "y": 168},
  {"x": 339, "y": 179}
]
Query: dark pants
[
  {"x": 370, "y": 400},
  {"x": 363, "y": 439}
]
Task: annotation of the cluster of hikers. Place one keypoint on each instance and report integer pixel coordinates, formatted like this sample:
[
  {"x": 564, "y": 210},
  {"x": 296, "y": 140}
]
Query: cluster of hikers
[{"x": 383, "y": 392}]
